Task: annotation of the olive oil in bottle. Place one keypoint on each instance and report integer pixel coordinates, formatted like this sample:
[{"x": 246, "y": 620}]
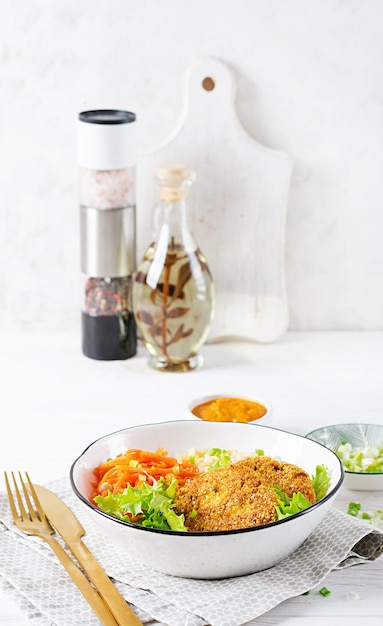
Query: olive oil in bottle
[{"x": 173, "y": 290}]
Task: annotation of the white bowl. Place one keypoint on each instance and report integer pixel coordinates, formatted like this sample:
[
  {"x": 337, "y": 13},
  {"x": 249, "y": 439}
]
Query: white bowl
[
  {"x": 209, "y": 554},
  {"x": 265, "y": 419},
  {"x": 358, "y": 435}
]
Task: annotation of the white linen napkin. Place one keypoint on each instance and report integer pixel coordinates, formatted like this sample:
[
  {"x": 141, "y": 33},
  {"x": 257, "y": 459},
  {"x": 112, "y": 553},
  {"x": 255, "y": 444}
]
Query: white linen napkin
[{"x": 30, "y": 572}]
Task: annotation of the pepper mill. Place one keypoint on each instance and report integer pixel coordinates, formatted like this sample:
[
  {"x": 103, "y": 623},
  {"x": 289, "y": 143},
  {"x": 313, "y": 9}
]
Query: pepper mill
[{"x": 107, "y": 155}]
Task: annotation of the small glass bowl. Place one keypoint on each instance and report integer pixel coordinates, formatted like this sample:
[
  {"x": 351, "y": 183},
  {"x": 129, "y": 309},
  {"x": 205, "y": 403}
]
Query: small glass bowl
[{"x": 359, "y": 436}]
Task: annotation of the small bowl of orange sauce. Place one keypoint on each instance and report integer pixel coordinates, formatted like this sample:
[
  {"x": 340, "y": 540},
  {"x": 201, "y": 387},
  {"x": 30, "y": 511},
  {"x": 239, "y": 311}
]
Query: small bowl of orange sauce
[{"x": 230, "y": 408}]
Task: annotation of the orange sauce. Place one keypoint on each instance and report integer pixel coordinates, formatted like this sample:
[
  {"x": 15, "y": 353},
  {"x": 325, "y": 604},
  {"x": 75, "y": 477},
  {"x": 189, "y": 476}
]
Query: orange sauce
[{"x": 229, "y": 410}]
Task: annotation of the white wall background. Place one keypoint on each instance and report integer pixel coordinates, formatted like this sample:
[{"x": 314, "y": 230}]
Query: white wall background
[{"x": 309, "y": 82}]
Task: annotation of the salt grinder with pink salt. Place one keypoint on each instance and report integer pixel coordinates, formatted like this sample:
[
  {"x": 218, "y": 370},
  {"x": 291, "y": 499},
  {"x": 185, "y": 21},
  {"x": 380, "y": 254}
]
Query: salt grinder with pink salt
[{"x": 107, "y": 157}]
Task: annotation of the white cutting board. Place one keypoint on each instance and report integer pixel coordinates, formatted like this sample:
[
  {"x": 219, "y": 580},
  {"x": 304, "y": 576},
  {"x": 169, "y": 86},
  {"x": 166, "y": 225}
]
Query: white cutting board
[{"x": 237, "y": 206}]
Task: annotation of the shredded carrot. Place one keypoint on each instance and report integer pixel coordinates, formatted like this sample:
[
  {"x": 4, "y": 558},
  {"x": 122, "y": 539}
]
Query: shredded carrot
[{"x": 136, "y": 467}]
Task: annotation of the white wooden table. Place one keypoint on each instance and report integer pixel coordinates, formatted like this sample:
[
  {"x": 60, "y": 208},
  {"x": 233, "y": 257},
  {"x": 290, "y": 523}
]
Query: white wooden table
[{"x": 54, "y": 401}]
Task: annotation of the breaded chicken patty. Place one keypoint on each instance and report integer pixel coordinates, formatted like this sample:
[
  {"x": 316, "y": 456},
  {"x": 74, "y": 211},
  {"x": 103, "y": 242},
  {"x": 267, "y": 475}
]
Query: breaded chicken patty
[
  {"x": 239, "y": 496},
  {"x": 290, "y": 478}
]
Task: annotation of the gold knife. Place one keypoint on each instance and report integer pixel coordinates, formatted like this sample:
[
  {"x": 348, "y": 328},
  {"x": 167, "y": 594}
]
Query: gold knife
[{"x": 69, "y": 528}]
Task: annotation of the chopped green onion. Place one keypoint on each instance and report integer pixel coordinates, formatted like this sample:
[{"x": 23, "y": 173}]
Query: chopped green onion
[
  {"x": 353, "y": 509},
  {"x": 223, "y": 458},
  {"x": 324, "y": 591},
  {"x": 365, "y": 459},
  {"x": 375, "y": 519}
]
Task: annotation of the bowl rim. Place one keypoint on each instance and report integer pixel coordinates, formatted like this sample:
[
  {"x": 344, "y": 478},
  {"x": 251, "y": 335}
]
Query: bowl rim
[
  {"x": 345, "y": 424},
  {"x": 217, "y": 533}
]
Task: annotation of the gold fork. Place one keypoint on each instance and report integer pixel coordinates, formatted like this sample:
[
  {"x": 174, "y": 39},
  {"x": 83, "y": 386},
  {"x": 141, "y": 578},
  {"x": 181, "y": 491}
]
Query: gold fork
[{"x": 33, "y": 521}]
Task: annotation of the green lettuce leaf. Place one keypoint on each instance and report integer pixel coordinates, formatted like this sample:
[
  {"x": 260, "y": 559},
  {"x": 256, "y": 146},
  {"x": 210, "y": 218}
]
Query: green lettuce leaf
[
  {"x": 290, "y": 506},
  {"x": 153, "y": 504},
  {"x": 321, "y": 481}
]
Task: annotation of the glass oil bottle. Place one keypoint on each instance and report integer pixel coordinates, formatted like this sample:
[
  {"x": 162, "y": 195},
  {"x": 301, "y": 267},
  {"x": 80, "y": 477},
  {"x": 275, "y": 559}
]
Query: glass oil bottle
[{"x": 173, "y": 290}]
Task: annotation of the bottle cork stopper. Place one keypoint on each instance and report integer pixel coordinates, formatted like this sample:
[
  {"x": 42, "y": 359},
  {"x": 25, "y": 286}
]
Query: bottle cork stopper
[{"x": 170, "y": 177}]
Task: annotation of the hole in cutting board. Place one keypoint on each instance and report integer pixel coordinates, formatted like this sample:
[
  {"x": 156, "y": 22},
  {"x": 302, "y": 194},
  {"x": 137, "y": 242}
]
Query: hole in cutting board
[{"x": 208, "y": 83}]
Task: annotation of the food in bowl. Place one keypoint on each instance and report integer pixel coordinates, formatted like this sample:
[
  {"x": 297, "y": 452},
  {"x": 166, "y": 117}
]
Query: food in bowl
[
  {"x": 258, "y": 490},
  {"x": 229, "y": 409},
  {"x": 361, "y": 458},
  {"x": 360, "y": 449},
  {"x": 207, "y": 490},
  {"x": 208, "y": 554}
]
